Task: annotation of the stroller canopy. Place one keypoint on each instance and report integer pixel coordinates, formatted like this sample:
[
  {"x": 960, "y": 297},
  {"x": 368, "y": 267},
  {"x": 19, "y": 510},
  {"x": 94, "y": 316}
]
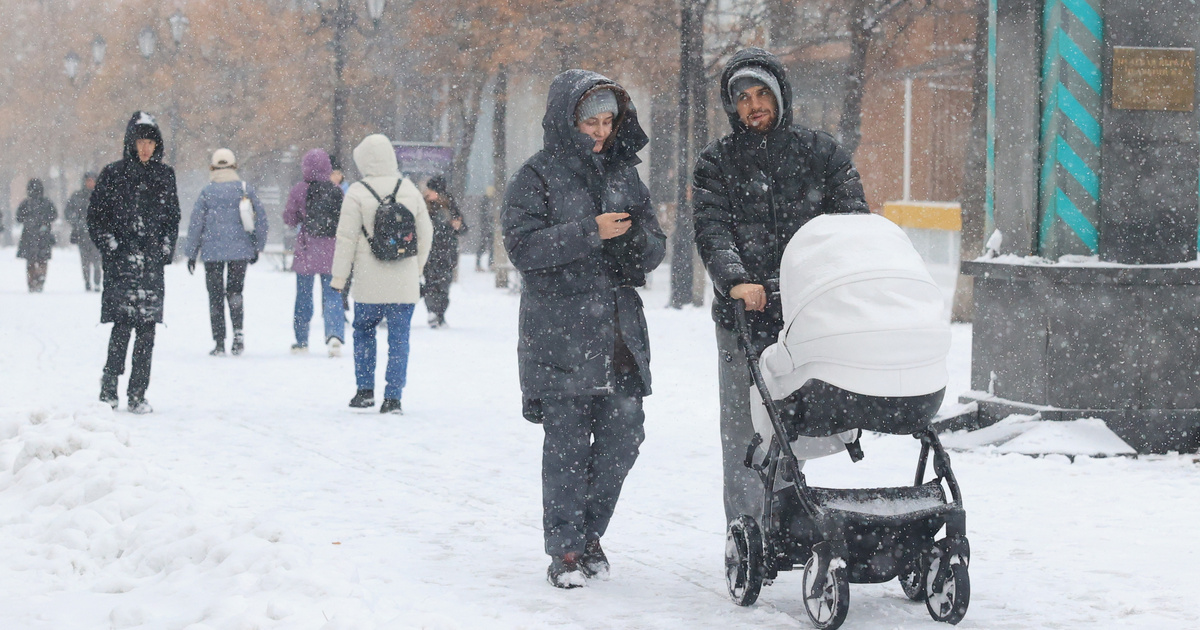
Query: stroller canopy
[{"x": 860, "y": 312}]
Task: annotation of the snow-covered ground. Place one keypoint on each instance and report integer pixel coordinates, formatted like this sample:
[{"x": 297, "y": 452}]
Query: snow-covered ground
[{"x": 254, "y": 498}]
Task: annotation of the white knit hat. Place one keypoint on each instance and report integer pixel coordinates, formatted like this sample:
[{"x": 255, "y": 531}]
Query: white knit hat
[{"x": 223, "y": 158}]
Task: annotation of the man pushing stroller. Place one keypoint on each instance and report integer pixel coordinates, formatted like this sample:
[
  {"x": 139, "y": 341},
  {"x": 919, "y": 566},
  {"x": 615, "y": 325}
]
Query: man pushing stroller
[{"x": 753, "y": 189}]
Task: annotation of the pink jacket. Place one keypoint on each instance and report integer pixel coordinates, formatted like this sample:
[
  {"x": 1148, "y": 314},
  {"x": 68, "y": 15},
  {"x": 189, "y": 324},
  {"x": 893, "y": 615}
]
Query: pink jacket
[{"x": 314, "y": 255}]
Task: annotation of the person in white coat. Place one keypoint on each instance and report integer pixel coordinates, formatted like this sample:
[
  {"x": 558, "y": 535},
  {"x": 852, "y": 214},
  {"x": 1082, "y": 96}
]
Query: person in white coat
[{"x": 382, "y": 289}]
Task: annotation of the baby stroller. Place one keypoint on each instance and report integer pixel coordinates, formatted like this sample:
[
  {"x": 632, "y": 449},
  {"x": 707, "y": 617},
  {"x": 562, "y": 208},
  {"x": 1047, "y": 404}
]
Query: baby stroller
[{"x": 863, "y": 347}]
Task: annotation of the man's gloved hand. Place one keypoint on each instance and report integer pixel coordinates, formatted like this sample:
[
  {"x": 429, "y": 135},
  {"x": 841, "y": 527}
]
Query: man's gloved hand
[{"x": 191, "y": 265}]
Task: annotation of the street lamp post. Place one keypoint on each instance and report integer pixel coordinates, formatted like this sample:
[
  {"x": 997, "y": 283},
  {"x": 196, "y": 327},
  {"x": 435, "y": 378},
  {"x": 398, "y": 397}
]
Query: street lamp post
[
  {"x": 341, "y": 18},
  {"x": 147, "y": 41}
]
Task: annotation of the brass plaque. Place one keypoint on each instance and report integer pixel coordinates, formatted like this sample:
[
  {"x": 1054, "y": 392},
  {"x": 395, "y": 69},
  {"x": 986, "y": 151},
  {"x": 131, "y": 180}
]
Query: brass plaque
[{"x": 1160, "y": 79}]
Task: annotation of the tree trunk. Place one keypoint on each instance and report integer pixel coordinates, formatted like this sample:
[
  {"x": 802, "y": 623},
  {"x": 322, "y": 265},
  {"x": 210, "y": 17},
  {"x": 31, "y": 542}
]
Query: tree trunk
[
  {"x": 663, "y": 124},
  {"x": 683, "y": 236},
  {"x": 470, "y": 122},
  {"x": 499, "y": 173},
  {"x": 975, "y": 171},
  {"x": 850, "y": 125}
]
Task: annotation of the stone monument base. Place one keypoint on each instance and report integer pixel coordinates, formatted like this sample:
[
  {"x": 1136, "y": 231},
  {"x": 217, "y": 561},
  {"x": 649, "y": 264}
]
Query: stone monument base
[{"x": 1119, "y": 343}]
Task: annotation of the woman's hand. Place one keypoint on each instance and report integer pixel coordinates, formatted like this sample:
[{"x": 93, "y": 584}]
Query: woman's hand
[{"x": 613, "y": 224}]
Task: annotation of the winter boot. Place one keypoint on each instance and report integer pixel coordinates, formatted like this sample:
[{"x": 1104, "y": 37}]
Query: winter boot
[
  {"x": 218, "y": 351},
  {"x": 108, "y": 391},
  {"x": 299, "y": 348},
  {"x": 239, "y": 343},
  {"x": 564, "y": 572},
  {"x": 363, "y": 399},
  {"x": 334, "y": 345},
  {"x": 594, "y": 563},
  {"x": 391, "y": 405},
  {"x": 139, "y": 406}
]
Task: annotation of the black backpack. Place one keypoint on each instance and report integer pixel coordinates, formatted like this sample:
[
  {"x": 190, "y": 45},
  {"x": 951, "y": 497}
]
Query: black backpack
[
  {"x": 322, "y": 209},
  {"x": 395, "y": 228}
]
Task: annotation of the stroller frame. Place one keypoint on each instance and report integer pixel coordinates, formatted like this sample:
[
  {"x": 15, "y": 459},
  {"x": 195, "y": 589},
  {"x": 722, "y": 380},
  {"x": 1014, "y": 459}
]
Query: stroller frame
[{"x": 820, "y": 530}]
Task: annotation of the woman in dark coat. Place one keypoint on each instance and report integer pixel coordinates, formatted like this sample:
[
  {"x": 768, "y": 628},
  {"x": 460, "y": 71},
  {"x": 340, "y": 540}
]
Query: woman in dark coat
[
  {"x": 37, "y": 214},
  {"x": 579, "y": 226},
  {"x": 133, "y": 218},
  {"x": 448, "y": 225}
]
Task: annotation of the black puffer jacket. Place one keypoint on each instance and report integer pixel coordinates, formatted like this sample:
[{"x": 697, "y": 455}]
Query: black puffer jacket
[
  {"x": 577, "y": 291},
  {"x": 752, "y": 191},
  {"x": 133, "y": 218}
]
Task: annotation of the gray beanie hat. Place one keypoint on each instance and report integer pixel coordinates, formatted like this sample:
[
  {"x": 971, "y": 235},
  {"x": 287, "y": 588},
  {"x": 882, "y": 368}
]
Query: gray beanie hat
[
  {"x": 597, "y": 102},
  {"x": 747, "y": 77}
]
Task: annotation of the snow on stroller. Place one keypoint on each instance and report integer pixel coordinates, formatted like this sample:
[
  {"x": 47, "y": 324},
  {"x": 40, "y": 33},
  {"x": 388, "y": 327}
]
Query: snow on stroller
[{"x": 863, "y": 347}]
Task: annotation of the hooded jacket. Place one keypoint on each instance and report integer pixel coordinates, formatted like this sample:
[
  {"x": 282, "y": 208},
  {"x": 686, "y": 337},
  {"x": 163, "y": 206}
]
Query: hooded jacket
[
  {"x": 314, "y": 254},
  {"x": 753, "y": 191},
  {"x": 215, "y": 231},
  {"x": 37, "y": 215},
  {"x": 443, "y": 255},
  {"x": 577, "y": 291},
  {"x": 379, "y": 281},
  {"x": 133, "y": 218}
]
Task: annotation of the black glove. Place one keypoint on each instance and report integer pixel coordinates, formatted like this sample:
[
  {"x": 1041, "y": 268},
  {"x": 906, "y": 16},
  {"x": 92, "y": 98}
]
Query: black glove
[
  {"x": 191, "y": 265},
  {"x": 255, "y": 259}
]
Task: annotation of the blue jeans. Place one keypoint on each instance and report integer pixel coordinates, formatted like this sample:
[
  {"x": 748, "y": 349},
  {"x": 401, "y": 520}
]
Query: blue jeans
[
  {"x": 366, "y": 319},
  {"x": 331, "y": 308}
]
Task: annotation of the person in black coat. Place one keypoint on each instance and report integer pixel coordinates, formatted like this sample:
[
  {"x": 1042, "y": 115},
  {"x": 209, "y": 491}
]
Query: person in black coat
[
  {"x": 133, "y": 218},
  {"x": 752, "y": 190},
  {"x": 448, "y": 225},
  {"x": 578, "y": 225},
  {"x": 37, "y": 214},
  {"x": 76, "y": 215}
]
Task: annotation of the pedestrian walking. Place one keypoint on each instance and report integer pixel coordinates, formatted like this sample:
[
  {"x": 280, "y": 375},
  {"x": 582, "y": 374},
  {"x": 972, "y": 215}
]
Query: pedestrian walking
[
  {"x": 752, "y": 190},
  {"x": 218, "y": 236},
  {"x": 37, "y": 215},
  {"x": 314, "y": 205},
  {"x": 448, "y": 225},
  {"x": 76, "y": 215},
  {"x": 383, "y": 218},
  {"x": 133, "y": 217},
  {"x": 579, "y": 226}
]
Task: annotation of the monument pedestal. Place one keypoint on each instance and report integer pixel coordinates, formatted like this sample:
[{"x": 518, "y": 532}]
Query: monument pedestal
[{"x": 1119, "y": 343}]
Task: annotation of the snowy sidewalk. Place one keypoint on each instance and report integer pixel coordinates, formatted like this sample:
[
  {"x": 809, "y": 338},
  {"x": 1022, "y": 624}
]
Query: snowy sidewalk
[{"x": 253, "y": 497}]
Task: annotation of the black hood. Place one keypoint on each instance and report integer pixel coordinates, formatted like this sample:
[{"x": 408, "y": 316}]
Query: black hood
[
  {"x": 142, "y": 126},
  {"x": 558, "y": 125},
  {"x": 34, "y": 189},
  {"x": 763, "y": 59}
]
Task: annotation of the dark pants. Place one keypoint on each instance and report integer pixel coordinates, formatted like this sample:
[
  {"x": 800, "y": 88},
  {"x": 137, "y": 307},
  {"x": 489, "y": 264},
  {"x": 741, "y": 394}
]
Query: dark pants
[
  {"x": 437, "y": 295},
  {"x": 221, "y": 289},
  {"x": 35, "y": 275},
  {"x": 143, "y": 351},
  {"x": 89, "y": 259},
  {"x": 591, "y": 444}
]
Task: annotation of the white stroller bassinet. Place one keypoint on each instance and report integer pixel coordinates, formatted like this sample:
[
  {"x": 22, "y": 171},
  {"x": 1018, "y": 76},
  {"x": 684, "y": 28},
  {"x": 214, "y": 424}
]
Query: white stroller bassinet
[{"x": 860, "y": 313}]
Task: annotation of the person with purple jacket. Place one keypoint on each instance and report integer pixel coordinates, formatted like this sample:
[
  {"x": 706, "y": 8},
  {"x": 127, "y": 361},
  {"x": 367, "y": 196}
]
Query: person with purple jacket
[{"x": 314, "y": 205}]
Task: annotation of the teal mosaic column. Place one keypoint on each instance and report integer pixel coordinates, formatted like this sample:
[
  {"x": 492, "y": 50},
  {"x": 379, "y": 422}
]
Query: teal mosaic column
[{"x": 1072, "y": 89}]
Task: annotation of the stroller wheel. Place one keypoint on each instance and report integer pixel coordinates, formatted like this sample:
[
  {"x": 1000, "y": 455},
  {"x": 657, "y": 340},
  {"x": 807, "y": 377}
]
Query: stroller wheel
[
  {"x": 912, "y": 578},
  {"x": 743, "y": 560},
  {"x": 947, "y": 586},
  {"x": 828, "y": 609}
]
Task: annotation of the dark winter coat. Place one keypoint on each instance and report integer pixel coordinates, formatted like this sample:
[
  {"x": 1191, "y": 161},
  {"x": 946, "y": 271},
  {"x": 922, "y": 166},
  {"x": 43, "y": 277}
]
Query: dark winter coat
[
  {"x": 752, "y": 191},
  {"x": 37, "y": 215},
  {"x": 577, "y": 291},
  {"x": 443, "y": 254},
  {"x": 133, "y": 218},
  {"x": 76, "y": 215}
]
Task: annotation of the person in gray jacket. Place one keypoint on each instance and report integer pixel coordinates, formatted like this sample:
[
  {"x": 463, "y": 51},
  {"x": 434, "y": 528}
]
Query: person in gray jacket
[
  {"x": 579, "y": 226},
  {"x": 217, "y": 236}
]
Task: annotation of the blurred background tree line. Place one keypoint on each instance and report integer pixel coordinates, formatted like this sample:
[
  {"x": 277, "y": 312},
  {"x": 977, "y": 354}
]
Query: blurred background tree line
[{"x": 271, "y": 79}]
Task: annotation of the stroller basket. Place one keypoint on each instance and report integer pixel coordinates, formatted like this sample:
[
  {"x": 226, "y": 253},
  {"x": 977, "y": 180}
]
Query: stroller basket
[{"x": 880, "y": 505}]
